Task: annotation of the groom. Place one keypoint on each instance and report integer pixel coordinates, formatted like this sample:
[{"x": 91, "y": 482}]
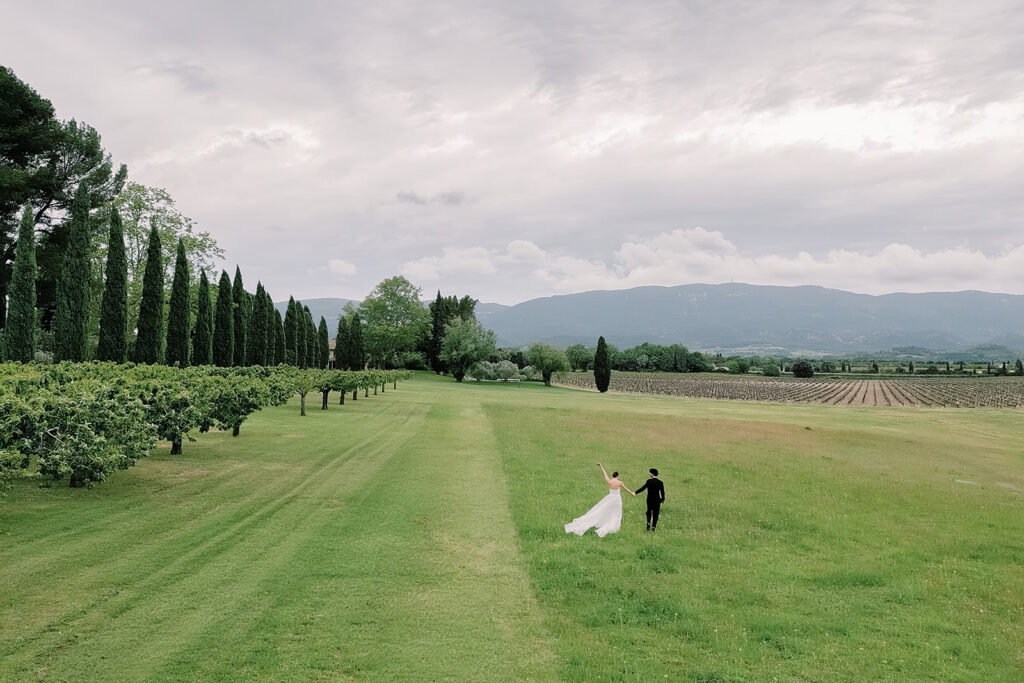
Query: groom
[{"x": 655, "y": 497}]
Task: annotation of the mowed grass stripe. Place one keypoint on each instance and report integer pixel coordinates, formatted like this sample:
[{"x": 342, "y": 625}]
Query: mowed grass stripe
[
  {"x": 159, "y": 576},
  {"x": 373, "y": 540}
]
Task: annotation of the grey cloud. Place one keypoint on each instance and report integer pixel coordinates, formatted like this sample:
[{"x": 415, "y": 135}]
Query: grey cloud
[{"x": 443, "y": 198}]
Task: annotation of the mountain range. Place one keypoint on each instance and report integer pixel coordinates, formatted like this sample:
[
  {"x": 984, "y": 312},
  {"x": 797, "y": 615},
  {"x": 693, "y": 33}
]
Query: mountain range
[{"x": 757, "y": 319}]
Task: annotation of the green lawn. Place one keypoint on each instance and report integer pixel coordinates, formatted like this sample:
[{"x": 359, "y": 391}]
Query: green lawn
[{"x": 418, "y": 535}]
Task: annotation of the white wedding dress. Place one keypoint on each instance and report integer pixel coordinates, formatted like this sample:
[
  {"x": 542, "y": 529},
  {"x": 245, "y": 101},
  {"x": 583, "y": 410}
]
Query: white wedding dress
[{"x": 605, "y": 517}]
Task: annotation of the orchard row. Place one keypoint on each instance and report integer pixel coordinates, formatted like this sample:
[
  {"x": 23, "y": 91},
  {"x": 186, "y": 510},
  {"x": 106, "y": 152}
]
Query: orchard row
[{"x": 85, "y": 421}]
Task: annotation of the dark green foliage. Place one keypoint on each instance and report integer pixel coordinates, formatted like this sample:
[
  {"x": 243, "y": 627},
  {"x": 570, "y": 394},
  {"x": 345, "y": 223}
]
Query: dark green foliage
[
  {"x": 19, "y": 340},
  {"x": 311, "y": 340},
  {"x": 323, "y": 345},
  {"x": 280, "y": 348},
  {"x": 258, "y": 328},
  {"x": 113, "y": 342},
  {"x": 442, "y": 311},
  {"x": 291, "y": 334},
  {"x": 73, "y": 284},
  {"x": 240, "y": 322},
  {"x": 802, "y": 368},
  {"x": 178, "y": 317},
  {"x": 224, "y": 324},
  {"x": 151, "y": 308},
  {"x": 602, "y": 366},
  {"x": 342, "y": 346},
  {"x": 357, "y": 352},
  {"x": 270, "y": 330},
  {"x": 202, "y": 336},
  {"x": 300, "y": 335}
]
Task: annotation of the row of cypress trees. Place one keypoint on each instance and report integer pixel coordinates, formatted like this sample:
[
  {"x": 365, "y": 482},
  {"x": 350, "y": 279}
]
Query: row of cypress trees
[{"x": 242, "y": 329}]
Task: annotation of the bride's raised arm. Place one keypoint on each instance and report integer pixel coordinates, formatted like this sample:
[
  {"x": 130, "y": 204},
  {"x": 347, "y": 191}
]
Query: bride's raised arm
[{"x": 604, "y": 473}]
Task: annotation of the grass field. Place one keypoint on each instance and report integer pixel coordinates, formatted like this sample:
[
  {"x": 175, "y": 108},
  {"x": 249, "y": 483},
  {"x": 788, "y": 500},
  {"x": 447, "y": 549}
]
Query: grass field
[{"x": 418, "y": 535}]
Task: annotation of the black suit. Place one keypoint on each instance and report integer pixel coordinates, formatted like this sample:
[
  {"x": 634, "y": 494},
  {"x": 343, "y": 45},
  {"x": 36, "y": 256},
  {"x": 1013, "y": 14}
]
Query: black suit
[{"x": 655, "y": 497}]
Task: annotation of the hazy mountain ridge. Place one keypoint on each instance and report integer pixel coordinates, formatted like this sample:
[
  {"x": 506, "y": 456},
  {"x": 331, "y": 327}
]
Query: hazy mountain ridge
[{"x": 758, "y": 319}]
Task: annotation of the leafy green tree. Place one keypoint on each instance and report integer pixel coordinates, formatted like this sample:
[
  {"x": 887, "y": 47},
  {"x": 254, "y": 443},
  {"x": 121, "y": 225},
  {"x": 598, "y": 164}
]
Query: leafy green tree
[
  {"x": 323, "y": 346},
  {"x": 547, "y": 360},
  {"x": 241, "y": 333},
  {"x": 395, "y": 319},
  {"x": 224, "y": 324},
  {"x": 465, "y": 343},
  {"x": 357, "y": 353},
  {"x": 803, "y": 369},
  {"x": 1018, "y": 368},
  {"x": 579, "y": 357},
  {"x": 178, "y": 332},
  {"x": 151, "y": 308},
  {"x": 73, "y": 286},
  {"x": 440, "y": 315},
  {"x": 202, "y": 336},
  {"x": 19, "y": 340},
  {"x": 113, "y": 339},
  {"x": 602, "y": 366}
]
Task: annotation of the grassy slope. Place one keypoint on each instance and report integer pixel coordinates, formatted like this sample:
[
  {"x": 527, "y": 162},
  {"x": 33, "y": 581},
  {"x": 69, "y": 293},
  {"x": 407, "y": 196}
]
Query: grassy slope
[{"x": 417, "y": 535}]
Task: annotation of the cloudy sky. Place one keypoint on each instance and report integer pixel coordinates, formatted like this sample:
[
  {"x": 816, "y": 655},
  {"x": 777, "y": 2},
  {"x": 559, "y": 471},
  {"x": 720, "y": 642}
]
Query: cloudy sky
[{"x": 511, "y": 150}]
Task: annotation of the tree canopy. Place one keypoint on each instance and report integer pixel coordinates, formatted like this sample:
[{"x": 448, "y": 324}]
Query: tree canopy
[{"x": 395, "y": 319}]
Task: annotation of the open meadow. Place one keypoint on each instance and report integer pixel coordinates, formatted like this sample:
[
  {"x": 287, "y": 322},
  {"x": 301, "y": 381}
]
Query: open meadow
[{"x": 417, "y": 535}]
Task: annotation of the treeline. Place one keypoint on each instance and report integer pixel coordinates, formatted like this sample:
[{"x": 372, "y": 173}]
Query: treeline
[{"x": 84, "y": 421}]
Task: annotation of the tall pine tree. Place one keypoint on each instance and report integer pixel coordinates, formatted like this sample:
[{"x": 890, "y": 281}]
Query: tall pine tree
[
  {"x": 151, "y": 307},
  {"x": 239, "y": 301},
  {"x": 312, "y": 354},
  {"x": 300, "y": 335},
  {"x": 270, "y": 330},
  {"x": 341, "y": 345},
  {"x": 280, "y": 350},
  {"x": 19, "y": 342},
  {"x": 202, "y": 336},
  {"x": 113, "y": 341},
  {"x": 291, "y": 334},
  {"x": 224, "y": 324},
  {"x": 180, "y": 312},
  {"x": 323, "y": 345},
  {"x": 357, "y": 352},
  {"x": 73, "y": 284},
  {"x": 602, "y": 366},
  {"x": 258, "y": 328}
]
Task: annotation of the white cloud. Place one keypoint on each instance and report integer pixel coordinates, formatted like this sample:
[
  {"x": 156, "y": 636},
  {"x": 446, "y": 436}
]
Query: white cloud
[
  {"x": 342, "y": 267},
  {"x": 454, "y": 260}
]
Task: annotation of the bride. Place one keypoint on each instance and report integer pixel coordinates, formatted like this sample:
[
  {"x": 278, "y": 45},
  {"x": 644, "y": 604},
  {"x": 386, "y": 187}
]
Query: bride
[{"x": 606, "y": 516}]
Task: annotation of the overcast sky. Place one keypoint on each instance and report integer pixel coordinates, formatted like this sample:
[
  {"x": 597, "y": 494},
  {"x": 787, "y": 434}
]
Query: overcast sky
[{"x": 517, "y": 149}]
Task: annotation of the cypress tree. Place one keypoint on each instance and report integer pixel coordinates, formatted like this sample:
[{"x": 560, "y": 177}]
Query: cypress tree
[
  {"x": 341, "y": 345},
  {"x": 239, "y": 301},
  {"x": 280, "y": 352},
  {"x": 436, "y": 334},
  {"x": 602, "y": 366},
  {"x": 323, "y": 345},
  {"x": 300, "y": 335},
  {"x": 291, "y": 334},
  {"x": 271, "y": 328},
  {"x": 151, "y": 307},
  {"x": 180, "y": 312},
  {"x": 19, "y": 341},
  {"x": 357, "y": 353},
  {"x": 114, "y": 310},
  {"x": 224, "y": 327},
  {"x": 258, "y": 328},
  {"x": 73, "y": 284},
  {"x": 312, "y": 354},
  {"x": 202, "y": 337}
]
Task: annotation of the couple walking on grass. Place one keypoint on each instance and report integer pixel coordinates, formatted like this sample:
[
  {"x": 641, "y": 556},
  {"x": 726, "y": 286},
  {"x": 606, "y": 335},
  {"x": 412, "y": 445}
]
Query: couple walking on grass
[{"x": 606, "y": 516}]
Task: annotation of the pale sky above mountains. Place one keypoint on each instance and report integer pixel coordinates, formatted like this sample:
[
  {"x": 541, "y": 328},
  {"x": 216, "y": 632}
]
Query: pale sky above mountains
[{"x": 518, "y": 149}]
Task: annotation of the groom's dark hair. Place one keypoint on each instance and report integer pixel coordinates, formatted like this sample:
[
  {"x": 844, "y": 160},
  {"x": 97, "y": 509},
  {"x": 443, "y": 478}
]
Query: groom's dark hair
[
  {"x": 614, "y": 474},
  {"x": 654, "y": 471}
]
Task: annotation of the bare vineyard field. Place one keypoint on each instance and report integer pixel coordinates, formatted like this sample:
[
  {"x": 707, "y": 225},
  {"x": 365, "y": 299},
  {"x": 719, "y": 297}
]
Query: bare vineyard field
[{"x": 954, "y": 392}]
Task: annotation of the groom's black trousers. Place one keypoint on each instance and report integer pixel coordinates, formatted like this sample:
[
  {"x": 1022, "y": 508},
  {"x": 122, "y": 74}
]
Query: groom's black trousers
[{"x": 652, "y": 515}]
